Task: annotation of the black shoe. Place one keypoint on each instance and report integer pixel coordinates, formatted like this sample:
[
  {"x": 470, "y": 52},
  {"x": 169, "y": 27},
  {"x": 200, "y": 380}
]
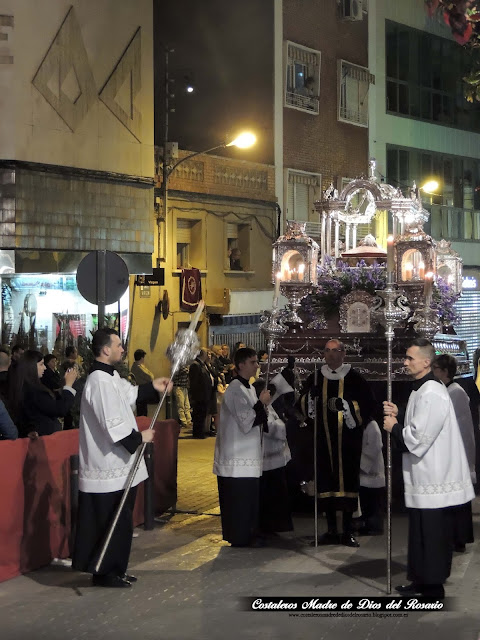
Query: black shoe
[
  {"x": 460, "y": 548},
  {"x": 408, "y": 589},
  {"x": 129, "y": 578},
  {"x": 330, "y": 537},
  {"x": 348, "y": 540},
  {"x": 435, "y": 591},
  {"x": 200, "y": 436},
  {"x": 212, "y": 432},
  {"x": 115, "y": 582}
]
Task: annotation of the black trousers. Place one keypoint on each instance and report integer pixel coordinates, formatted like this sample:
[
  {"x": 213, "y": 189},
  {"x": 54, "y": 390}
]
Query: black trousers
[
  {"x": 372, "y": 500},
  {"x": 274, "y": 510},
  {"x": 199, "y": 414},
  {"x": 95, "y": 513},
  {"x": 430, "y": 533},
  {"x": 238, "y": 498},
  {"x": 462, "y": 524}
]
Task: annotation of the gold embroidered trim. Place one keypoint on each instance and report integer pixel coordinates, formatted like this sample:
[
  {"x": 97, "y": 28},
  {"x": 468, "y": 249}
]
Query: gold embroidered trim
[
  {"x": 337, "y": 494},
  {"x": 341, "y": 389},
  {"x": 325, "y": 419},
  {"x": 356, "y": 406}
]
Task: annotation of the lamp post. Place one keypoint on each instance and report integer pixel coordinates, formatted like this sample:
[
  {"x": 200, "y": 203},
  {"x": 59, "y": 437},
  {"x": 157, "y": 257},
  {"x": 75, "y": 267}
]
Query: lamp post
[{"x": 242, "y": 141}]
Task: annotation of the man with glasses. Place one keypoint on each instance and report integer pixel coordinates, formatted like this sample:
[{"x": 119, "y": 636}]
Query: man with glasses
[
  {"x": 344, "y": 404},
  {"x": 238, "y": 457}
]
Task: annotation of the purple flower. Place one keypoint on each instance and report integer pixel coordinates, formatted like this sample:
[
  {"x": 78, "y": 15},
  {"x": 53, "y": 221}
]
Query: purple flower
[{"x": 443, "y": 300}]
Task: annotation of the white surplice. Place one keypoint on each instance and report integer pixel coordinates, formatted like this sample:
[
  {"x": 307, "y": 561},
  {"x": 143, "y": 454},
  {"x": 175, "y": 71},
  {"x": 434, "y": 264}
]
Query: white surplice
[{"x": 435, "y": 470}]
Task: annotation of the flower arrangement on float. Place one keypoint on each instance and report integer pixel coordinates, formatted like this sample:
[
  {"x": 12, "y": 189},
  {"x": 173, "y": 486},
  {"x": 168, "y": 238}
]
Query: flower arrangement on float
[
  {"x": 443, "y": 301},
  {"x": 337, "y": 279}
]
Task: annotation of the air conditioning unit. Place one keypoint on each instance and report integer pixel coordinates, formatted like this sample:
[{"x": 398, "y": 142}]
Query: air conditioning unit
[{"x": 352, "y": 9}]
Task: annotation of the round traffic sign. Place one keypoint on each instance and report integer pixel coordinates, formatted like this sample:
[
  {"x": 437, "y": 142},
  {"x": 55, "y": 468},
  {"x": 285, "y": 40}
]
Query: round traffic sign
[{"x": 89, "y": 274}]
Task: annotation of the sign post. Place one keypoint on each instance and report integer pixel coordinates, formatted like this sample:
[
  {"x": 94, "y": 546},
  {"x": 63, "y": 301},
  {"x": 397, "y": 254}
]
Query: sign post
[{"x": 102, "y": 278}]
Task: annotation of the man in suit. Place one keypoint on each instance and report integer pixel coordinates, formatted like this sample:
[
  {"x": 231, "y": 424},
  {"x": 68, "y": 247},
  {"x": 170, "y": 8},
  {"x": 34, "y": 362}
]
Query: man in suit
[
  {"x": 200, "y": 392},
  {"x": 142, "y": 376}
]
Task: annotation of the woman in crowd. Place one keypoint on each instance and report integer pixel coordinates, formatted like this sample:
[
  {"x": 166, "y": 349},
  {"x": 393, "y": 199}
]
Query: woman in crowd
[
  {"x": 51, "y": 378},
  {"x": 237, "y": 346},
  {"x": 36, "y": 407}
]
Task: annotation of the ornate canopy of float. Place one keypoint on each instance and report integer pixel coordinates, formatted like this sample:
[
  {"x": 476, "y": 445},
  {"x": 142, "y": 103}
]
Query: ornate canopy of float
[{"x": 399, "y": 278}]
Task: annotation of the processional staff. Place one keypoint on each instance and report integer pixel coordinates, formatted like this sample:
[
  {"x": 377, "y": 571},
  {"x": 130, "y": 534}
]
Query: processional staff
[
  {"x": 181, "y": 352},
  {"x": 315, "y": 431},
  {"x": 394, "y": 309}
]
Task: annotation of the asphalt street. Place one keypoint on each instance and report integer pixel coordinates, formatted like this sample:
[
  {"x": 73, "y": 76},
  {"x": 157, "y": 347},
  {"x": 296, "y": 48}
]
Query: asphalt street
[{"x": 191, "y": 584}]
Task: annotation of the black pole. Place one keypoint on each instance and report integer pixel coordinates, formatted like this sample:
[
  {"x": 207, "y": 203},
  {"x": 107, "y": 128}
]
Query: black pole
[
  {"x": 148, "y": 504},
  {"x": 101, "y": 292},
  {"x": 74, "y": 466}
]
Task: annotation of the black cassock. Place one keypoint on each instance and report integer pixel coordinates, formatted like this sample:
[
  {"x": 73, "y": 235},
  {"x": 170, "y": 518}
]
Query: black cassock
[{"x": 339, "y": 447}]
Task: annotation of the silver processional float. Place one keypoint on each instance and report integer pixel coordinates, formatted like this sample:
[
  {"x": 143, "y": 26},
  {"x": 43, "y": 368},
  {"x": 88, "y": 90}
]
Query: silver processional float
[
  {"x": 414, "y": 260},
  {"x": 181, "y": 352}
]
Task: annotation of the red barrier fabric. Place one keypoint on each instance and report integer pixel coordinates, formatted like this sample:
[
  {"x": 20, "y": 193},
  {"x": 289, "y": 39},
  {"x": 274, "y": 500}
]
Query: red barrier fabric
[
  {"x": 35, "y": 501},
  {"x": 12, "y": 458},
  {"x": 165, "y": 449},
  {"x": 35, "y": 496}
]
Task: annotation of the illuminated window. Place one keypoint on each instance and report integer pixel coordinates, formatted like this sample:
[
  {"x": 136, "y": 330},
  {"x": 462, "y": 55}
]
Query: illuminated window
[{"x": 302, "y": 86}]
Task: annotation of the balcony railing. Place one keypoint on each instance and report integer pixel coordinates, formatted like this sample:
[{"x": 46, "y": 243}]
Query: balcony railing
[{"x": 306, "y": 103}]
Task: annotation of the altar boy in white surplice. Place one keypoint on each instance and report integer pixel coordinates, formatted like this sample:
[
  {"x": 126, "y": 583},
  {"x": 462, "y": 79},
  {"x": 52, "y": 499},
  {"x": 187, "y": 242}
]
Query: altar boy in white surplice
[{"x": 238, "y": 459}]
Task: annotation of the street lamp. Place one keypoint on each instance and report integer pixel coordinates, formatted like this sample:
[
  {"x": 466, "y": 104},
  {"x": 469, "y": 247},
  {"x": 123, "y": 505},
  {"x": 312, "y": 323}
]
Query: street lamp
[
  {"x": 242, "y": 141},
  {"x": 430, "y": 187}
]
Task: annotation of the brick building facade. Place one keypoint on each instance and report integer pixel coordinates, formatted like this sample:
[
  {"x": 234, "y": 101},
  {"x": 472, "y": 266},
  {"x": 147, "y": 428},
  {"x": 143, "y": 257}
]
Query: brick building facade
[
  {"x": 215, "y": 205},
  {"x": 321, "y": 143},
  {"x": 321, "y": 103}
]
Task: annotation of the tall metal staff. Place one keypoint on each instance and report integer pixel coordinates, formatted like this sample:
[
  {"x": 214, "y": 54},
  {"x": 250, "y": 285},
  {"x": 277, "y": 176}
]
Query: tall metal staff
[
  {"x": 315, "y": 430},
  {"x": 272, "y": 328},
  {"x": 394, "y": 310},
  {"x": 182, "y": 351}
]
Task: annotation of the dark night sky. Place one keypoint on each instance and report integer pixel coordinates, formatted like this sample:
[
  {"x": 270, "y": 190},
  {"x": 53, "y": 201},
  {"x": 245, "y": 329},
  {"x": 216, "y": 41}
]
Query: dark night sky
[{"x": 226, "y": 47}]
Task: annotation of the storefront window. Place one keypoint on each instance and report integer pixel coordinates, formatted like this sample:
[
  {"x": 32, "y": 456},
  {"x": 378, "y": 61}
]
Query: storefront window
[{"x": 47, "y": 312}]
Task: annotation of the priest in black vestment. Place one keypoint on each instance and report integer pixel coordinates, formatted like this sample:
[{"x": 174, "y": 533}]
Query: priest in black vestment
[{"x": 345, "y": 404}]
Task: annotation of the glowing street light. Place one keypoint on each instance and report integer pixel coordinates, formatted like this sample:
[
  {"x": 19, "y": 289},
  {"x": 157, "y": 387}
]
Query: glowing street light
[
  {"x": 430, "y": 186},
  {"x": 242, "y": 141}
]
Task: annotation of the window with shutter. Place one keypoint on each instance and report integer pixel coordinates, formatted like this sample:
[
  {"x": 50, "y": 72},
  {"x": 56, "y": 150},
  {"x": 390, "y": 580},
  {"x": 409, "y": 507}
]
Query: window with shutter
[
  {"x": 237, "y": 257},
  {"x": 302, "y": 82},
  {"x": 354, "y": 82},
  {"x": 302, "y": 190},
  {"x": 189, "y": 243}
]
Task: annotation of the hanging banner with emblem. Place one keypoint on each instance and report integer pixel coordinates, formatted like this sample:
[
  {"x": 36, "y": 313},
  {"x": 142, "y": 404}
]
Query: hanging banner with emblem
[{"x": 190, "y": 289}]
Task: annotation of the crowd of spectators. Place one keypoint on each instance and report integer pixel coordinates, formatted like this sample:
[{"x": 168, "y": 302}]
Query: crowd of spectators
[{"x": 36, "y": 397}]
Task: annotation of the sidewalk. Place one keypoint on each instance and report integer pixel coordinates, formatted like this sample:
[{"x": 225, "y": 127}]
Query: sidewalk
[{"x": 191, "y": 582}]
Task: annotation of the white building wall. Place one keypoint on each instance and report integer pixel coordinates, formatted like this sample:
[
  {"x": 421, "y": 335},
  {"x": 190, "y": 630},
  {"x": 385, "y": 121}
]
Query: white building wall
[
  {"x": 388, "y": 129},
  {"x": 33, "y": 130}
]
